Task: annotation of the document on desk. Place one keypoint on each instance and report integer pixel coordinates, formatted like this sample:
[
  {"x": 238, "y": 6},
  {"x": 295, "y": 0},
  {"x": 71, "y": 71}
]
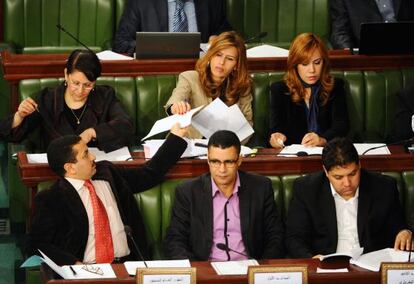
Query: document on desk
[
  {"x": 362, "y": 147},
  {"x": 294, "y": 149},
  {"x": 110, "y": 55},
  {"x": 121, "y": 154},
  {"x": 233, "y": 267},
  {"x": 89, "y": 271},
  {"x": 372, "y": 261},
  {"x": 354, "y": 253},
  {"x": 166, "y": 123},
  {"x": 131, "y": 266},
  {"x": 218, "y": 116},
  {"x": 266, "y": 50}
]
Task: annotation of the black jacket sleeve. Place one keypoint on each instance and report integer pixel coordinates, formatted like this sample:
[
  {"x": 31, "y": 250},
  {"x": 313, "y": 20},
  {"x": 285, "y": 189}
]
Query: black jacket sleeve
[
  {"x": 403, "y": 126},
  {"x": 341, "y": 31}
]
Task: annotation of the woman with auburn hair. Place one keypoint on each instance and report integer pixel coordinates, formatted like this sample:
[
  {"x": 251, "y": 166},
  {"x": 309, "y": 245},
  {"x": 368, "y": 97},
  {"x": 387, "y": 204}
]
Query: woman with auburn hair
[
  {"x": 220, "y": 73},
  {"x": 308, "y": 106}
]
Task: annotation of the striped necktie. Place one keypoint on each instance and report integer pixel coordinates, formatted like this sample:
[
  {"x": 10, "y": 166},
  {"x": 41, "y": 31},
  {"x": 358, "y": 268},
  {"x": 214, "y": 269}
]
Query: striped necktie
[
  {"x": 180, "y": 23},
  {"x": 104, "y": 250}
]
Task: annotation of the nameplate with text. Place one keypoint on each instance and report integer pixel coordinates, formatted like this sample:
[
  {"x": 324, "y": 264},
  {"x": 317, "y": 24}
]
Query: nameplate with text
[
  {"x": 268, "y": 274},
  {"x": 397, "y": 273},
  {"x": 166, "y": 275}
]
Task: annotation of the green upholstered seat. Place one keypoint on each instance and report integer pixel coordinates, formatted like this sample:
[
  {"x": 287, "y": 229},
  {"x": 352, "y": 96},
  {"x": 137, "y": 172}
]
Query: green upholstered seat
[{"x": 30, "y": 26}]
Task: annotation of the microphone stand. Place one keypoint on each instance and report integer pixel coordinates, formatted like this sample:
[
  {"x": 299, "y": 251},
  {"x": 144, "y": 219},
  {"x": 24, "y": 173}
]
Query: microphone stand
[{"x": 72, "y": 36}]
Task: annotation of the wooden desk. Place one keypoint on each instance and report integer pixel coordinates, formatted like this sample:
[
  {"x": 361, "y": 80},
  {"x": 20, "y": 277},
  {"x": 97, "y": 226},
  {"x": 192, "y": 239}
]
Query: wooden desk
[
  {"x": 265, "y": 163},
  {"x": 17, "y": 67},
  {"x": 207, "y": 275}
]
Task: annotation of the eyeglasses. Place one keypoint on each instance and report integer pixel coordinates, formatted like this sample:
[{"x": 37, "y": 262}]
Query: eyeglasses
[
  {"x": 93, "y": 269},
  {"x": 227, "y": 163},
  {"x": 79, "y": 85}
]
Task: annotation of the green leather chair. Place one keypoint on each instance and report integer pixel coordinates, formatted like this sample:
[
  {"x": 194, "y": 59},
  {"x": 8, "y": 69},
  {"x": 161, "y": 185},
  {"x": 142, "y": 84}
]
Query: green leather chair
[{"x": 30, "y": 26}]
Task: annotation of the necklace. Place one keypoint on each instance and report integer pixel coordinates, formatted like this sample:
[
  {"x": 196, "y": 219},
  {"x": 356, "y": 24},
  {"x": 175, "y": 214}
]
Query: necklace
[{"x": 80, "y": 116}]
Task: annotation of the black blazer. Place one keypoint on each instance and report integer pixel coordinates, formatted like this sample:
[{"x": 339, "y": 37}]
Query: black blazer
[
  {"x": 104, "y": 112},
  {"x": 152, "y": 16},
  {"x": 312, "y": 226},
  {"x": 290, "y": 118},
  {"x": 403, "y": 114},
  {"x": 60, "y": 224},
  {"x": 190, "y": 234},
  {"x": 347, "y": 16}
]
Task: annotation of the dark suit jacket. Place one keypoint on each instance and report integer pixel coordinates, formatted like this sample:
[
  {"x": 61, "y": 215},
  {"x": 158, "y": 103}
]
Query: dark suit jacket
[
  {"x": 347, "y": 16},
  {"x": 104, "y": 112},
  {"x": 190, "y": 234},
  {"x": 312, "y": 226},
  {"x": 290, "y": 118},
  {"x": 403, "y": 114},
  {"x": 60, "y": 223},
  {"x": 152, "y": 16}
]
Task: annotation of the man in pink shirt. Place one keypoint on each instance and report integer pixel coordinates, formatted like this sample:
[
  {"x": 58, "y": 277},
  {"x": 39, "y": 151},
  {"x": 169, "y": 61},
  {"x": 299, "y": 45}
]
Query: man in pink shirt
[{"x": 225, "y": 214}]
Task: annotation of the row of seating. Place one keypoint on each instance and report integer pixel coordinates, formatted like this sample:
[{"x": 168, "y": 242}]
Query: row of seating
[{"x": 30, "y": 26}]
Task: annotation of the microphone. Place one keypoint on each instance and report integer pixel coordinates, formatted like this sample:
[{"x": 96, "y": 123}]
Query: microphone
[
  {"x": 225, "y": 247},
  {"x": 72, "y": 36},
  {"x": 401, "y": 142},
  {"x": 258, "y": 36},
  {"x": 128, "y": 232}
]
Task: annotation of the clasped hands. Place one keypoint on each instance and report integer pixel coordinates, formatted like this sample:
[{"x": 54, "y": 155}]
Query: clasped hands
[{"x": 310, "y": 139}]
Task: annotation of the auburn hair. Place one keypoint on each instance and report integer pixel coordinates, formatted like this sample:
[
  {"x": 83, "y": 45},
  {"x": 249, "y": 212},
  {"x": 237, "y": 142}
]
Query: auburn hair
[
  {"x": 238, "y": 82},
  {"x": 300, "y": 52}
]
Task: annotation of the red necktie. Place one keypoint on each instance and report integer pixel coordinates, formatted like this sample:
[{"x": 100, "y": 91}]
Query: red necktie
[{"x": 104, "y": 250}]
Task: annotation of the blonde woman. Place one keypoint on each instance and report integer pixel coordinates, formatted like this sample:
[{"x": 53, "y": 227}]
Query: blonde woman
[{"x": 221, "y": 72}]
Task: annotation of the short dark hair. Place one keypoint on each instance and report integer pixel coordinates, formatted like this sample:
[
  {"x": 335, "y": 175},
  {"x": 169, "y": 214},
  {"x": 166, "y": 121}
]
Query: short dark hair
[
  {"x": 60, "y": 152},
  {"x": 224, "y": 139},
  {"x": 339, "y": 152},
  {"x": 86, "y": 62}
]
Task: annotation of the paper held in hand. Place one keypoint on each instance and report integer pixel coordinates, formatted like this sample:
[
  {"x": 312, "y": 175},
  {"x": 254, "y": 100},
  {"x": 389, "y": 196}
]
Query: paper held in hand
[{"x": 207, "y": 120}]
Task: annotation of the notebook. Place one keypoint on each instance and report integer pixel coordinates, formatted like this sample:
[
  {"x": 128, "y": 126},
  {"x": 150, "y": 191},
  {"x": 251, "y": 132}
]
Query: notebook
[
  {"x": 386, "y": 38},
  {"x": 159, "y": 45}
]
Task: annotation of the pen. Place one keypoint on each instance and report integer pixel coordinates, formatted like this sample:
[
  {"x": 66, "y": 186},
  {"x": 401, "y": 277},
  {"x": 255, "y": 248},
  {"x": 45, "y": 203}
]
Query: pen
[
  {"x": 200, "y": 145},
  {"x": 73, "y": 270},
  {"x": 280, "y": 141}
]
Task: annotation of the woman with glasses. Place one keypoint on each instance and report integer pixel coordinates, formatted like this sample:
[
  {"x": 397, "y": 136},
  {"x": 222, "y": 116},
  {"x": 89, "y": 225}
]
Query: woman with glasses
[
  {"x": 220, "y": 73},
  {"x": 77, "y": 106},
  {"x": 308, "y": 106}
]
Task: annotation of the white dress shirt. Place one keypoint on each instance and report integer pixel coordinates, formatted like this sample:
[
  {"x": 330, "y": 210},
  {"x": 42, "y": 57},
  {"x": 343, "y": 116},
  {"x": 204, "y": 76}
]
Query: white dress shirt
[
  {"x": 346, "y": 220},
  {"x": 105, "y": 194}
]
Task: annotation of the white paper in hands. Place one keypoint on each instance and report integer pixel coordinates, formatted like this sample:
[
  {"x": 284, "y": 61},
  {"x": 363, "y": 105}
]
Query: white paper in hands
[
  {"x": 218, "y": 116},
  {"x": 166, "y": 123}
]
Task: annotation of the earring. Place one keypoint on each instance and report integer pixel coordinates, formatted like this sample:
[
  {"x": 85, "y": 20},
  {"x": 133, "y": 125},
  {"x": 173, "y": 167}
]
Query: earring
[{"x": 65, "y": 83}]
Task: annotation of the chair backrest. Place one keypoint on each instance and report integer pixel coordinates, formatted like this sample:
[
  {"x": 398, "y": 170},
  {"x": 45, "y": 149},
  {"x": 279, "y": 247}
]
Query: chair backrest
[
  {"x": 31, "y": 25},
  {"x": 281, "y": 19}
]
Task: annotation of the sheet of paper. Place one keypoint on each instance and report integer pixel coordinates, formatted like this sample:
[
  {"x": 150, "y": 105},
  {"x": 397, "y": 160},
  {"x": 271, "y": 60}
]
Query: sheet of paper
[
  {"x": 218, "y": 116},
  {"x": 110, "y": 55},
  {"x": 122, "y": 154},
  {"x": 166, "y": 123},
  {"x": 238, "y": 267},
  {"x": 293, "y": 149},
  {"x": 131, "y": 266},
  {"x": 151, "y": 147},
  {"x": 56, "y": 268},
  {"x": 362, "y": 147},
  {"x": 82, "y": 273},
  {"x": 338, "y": 270},
  {"x": 372, "y": 261},
  {"x": 266, "y": 50}
]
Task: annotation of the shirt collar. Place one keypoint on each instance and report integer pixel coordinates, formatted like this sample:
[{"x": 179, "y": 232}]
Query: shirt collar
[
  {"x": 335, "y": 194},
  {"x": 215, "y": 190},
  {"x": 76, "y": 183}
]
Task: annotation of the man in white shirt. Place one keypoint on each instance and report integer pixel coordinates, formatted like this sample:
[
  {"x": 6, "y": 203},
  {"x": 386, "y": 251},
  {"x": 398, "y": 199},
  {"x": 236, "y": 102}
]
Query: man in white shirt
[
  {"x": 344, "y": 207},
  {"x": 88, "y": 214}
]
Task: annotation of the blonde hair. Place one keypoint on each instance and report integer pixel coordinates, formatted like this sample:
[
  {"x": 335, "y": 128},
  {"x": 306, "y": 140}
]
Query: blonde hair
[
  {"x": 301, "y": 50},
  {"x": 238, "y": 82}
]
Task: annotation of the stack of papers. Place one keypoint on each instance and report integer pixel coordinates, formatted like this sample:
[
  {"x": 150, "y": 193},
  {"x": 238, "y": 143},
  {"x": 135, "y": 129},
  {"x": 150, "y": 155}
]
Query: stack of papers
[
  {"x": 110, "y": 55},
  {"x": 131, "y": 266},
  {"x": 207, "y": 120},
  {"x": 151, "y": 147},
  {"x": 238, "y": 267},
  {"x": 121, "y": 154},
  {"x": 79, "y": 271},
  {"x": 372, "y": 261}
]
